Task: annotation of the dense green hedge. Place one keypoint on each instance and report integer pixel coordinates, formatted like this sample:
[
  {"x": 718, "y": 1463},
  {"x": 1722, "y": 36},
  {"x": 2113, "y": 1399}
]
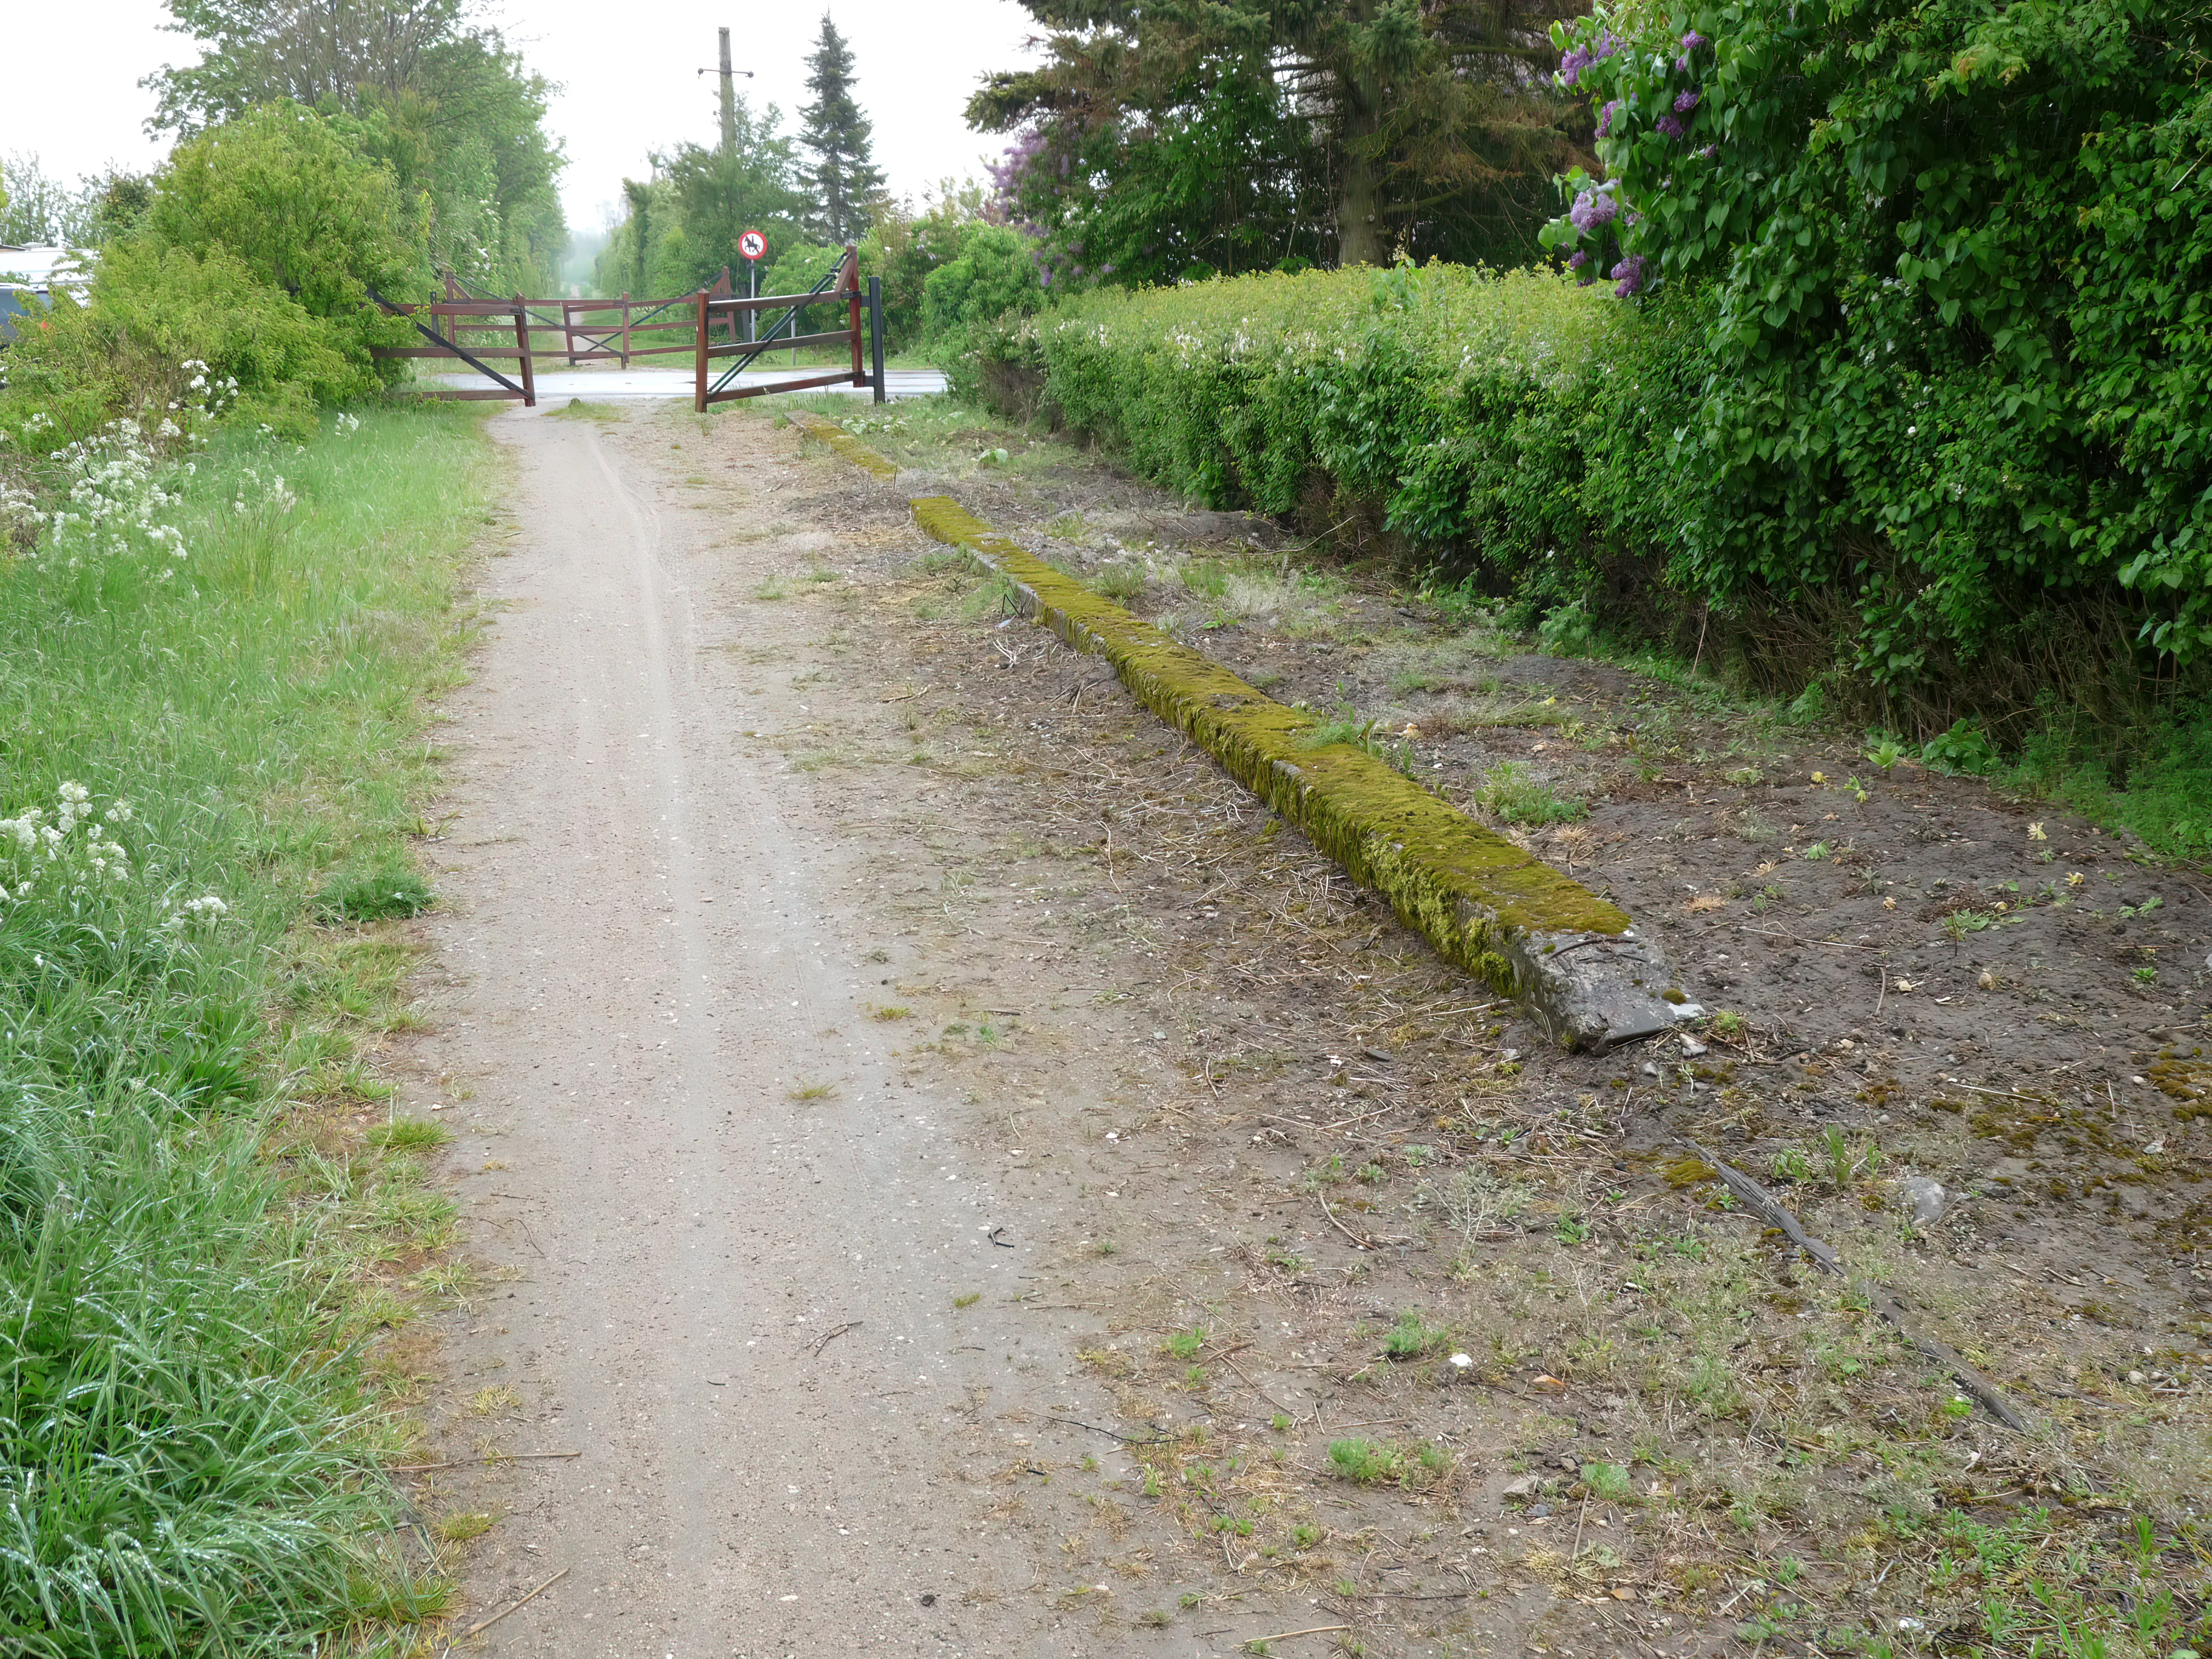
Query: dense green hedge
[
  {"x": 1513, "y": 427},
  {"x": 1544, "y": 438}
]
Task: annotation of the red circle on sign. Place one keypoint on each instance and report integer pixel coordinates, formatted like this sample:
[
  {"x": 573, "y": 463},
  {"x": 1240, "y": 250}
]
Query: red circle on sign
[{"x": 752, "y": 244}]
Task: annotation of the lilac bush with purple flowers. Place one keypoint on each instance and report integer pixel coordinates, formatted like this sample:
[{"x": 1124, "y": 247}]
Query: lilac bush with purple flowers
[{"x": 1954, "y": 259}]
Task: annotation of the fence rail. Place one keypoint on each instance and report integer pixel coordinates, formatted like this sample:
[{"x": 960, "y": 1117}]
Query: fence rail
[{"x": 456, "y": 329}]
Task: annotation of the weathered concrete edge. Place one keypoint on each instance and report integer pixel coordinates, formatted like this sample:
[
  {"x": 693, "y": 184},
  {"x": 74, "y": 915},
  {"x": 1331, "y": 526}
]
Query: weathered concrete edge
[
  {"x": 846, "y": 445},
  {"x": 1574, "y": 960}
]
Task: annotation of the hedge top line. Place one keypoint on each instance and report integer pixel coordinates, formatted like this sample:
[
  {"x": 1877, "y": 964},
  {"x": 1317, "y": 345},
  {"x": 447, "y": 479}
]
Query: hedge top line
[{"x": 1487, "y": 906}]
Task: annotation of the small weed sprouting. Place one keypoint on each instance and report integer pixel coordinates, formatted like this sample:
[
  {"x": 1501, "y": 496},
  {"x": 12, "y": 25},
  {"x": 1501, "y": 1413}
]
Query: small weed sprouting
[
  {"x": 459, "y": 1528},
  {"x": 1155, "y": 1618},
  {"x": 391, "y": 893},
  {"x": 969, "y": 1300},
  {"x": 1572, "y": 1230},
  {"x": 1279, "y": 1423},
  {"x": 1344, "y": 725},
  {"x": 1885, "y": 749},
  {"x": 410, "y": 1134},
  {"x": 1609, "y": 1482},
  {"x": 1119, "y": 582},
  {"x": 1848, "y": 1159},
  {"x": 1366, "y": 1461},
  {"x": 893, "y": 1012},
  {"x": 1304, "y": 1537},
  {"x": 495, "y": 1400},
  {"x": 1186, "y": 1345},
  {"x": 814, "y": 1092},
  {"x": 1512, "y": 795},
  {"x": 1411, "y": 1337},
  {"x": 1792, "y": 1163}
]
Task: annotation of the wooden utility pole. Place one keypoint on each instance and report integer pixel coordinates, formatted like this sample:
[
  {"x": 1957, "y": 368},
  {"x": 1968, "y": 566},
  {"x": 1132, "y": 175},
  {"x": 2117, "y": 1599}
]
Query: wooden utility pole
[{"x": 729, "y": 98}]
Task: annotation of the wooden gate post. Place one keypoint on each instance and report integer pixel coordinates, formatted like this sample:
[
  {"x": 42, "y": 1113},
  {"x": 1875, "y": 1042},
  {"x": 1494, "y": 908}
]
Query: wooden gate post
[
  {"x": 852, "y": 286},
  {"x": 625, "y": 308},
  {"x": 522, "y": 344},
  {"x": 699, "y": 393}
]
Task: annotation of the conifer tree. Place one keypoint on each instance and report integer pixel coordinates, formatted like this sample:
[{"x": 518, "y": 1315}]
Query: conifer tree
[{"x": 844, "y": 178}]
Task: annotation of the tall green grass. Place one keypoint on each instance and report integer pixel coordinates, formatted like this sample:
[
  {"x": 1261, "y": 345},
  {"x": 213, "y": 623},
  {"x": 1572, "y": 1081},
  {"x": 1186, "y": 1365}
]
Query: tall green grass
[{"x": 187, "y": 1438}]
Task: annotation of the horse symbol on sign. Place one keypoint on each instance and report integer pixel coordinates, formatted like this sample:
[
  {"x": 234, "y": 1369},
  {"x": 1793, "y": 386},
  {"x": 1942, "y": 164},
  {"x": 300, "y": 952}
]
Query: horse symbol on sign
[{"x": 752, "y": 244}]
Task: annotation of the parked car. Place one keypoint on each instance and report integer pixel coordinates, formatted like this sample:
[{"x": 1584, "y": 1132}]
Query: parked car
[{"x": 29, "y": 276}]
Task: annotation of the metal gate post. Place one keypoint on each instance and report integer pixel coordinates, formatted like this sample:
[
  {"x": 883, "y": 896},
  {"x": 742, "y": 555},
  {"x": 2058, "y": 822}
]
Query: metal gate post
[
  {"x": 699, "y": 396},
  {"x": 876, "y": 333}
]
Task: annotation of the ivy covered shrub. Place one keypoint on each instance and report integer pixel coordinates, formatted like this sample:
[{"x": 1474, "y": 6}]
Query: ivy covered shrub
[{"x": 1957, "y": 264}]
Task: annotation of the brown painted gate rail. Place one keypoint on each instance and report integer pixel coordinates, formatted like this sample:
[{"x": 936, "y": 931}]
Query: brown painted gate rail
[{"x": 454, "y": 329}]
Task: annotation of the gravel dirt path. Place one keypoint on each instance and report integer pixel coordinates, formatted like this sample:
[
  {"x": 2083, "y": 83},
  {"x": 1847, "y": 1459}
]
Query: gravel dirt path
[{"x": 725, "y": 1236}]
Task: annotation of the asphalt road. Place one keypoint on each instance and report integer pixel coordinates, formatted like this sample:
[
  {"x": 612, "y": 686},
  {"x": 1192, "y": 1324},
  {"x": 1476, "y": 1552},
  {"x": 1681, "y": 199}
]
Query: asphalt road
[{"x": 557, "y": 386}]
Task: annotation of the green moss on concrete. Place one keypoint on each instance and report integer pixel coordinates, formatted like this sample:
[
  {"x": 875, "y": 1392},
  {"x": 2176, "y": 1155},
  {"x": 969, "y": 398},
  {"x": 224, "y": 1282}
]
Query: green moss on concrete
[
  {"x": 846, "y": 445},
  {"x": 1470, "y": 891}
]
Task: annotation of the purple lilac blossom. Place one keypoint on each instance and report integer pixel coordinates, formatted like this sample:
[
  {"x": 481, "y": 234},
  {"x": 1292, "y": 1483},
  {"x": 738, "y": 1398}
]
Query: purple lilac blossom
[
  {"x": 1628, "y": 276},
  {"x": 1593, "y": 210},
  {"x": 1692, "y": 40},
  {"x": 1604, "y": 117},
  {"x": 1581, "y": 258},
  {"x": 1669, "y": 124},
  {"x": 1685, "y": 102},
  {"x": 1572, "y": 64},
  {"x": 1607, "y": 44},
  {"x": 1709, "y": 152}
]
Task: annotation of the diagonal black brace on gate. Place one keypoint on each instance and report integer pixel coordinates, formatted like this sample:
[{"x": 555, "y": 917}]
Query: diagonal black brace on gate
[
  {"x": 767, "y": 336},
  {"x": 444, "y": 344}
]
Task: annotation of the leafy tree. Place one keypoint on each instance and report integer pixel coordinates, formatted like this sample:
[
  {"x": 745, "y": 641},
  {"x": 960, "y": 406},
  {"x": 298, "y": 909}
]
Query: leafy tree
[
  {"x": 721, "y": 195},
  {"x": 1235, "y": 134},
  {"x": 414, "y": 83},
  {"x": 35, "y": 210},
  {"x": 282, "y": 191},
  {"x": 844, "y": 179},
  {"x": 904, "y": 247}
]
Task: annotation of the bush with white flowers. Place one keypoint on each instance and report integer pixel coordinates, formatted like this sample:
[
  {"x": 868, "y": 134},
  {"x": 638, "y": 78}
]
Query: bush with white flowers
[{"x": 71, "y": 848}]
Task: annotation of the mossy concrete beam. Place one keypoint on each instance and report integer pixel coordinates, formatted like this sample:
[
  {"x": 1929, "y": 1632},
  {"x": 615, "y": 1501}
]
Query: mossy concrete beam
[
  {"x": 1487, "y": 906},
  {"x": 1574, "y": 962}
]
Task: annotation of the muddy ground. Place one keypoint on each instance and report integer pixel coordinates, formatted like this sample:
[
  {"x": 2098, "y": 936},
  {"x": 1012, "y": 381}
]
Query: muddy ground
[{"x": 1265, "y": 1168}]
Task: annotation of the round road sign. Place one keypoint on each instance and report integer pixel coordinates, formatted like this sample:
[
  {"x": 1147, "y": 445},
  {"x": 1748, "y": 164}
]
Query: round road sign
[{"x": 752, "y": 244}]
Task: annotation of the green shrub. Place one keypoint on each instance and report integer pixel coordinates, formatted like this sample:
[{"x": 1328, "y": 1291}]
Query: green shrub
[
  {"x": 153, "y": 319},
  {"x": 994, "y": 276}
]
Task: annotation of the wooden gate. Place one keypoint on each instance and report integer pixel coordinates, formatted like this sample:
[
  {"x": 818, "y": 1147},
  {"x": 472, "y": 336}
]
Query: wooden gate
[
  {"x": 842, "y": 284},
  {"x": 473, "y": 332}
]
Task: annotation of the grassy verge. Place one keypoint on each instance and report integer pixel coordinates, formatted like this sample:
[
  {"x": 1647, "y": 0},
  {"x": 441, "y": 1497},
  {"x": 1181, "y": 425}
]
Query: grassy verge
[{"x": 207, "y": 1220}]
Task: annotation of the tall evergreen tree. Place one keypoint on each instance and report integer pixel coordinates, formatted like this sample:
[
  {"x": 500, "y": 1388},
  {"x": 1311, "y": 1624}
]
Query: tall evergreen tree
[{"x": 844, "y": 178}]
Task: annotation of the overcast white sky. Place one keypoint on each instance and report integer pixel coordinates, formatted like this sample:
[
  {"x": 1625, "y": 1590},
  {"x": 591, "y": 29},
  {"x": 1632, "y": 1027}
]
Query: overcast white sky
[{"x": 626, "y": 75}]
